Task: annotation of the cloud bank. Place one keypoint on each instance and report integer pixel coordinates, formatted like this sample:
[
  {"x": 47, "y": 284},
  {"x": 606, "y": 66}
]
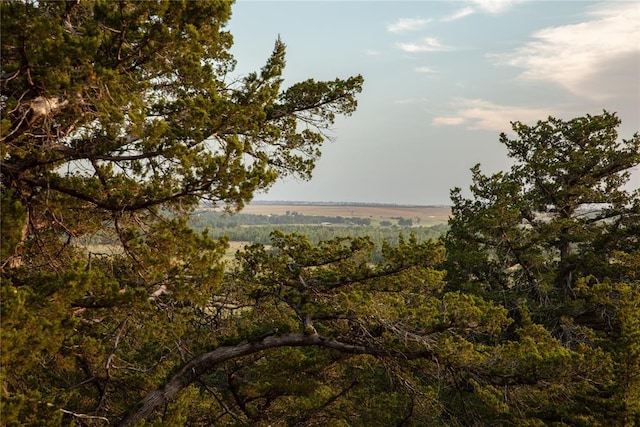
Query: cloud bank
[
  {"x": 597, "y": 59},
  {"x": 478, "y": 114}
]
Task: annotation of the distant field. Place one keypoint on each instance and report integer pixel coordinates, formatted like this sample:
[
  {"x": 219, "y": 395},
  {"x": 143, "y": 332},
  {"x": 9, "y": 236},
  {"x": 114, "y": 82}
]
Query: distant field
[
  {"x": 230, "y": 253},
  {"x": 426, "y": 214}
]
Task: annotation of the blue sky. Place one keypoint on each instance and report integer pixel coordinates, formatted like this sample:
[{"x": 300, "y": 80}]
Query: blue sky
[{"x": 442, "y": 80}]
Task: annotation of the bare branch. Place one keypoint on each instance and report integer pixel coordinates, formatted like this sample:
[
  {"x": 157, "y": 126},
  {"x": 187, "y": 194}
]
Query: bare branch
[{"x": 84, "y": 416}]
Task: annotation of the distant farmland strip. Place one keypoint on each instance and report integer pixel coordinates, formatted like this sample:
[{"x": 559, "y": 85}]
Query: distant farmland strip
[{"x": 425, "y": 214}]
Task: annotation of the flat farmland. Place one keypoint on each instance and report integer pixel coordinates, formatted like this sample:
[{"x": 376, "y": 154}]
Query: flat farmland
[{"x": 426, "y": 214}]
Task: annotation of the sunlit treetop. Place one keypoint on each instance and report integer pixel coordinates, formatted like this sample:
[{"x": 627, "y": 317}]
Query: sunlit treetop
[{"x": 130, "y": 105}]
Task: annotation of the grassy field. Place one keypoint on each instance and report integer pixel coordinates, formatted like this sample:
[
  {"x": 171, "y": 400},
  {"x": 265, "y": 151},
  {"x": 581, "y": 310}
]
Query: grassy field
[
  {"x": 427, "y": 215},
  {"x": 230, "y": 253}
]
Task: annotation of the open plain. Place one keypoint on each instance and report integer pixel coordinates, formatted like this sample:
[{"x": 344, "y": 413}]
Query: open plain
[{"x": 427, "y": 215}]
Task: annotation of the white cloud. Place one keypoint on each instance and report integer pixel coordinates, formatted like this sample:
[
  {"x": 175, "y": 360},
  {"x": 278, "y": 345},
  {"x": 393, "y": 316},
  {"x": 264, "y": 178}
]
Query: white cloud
[
  {"x": 493, "y": 6},
  {"x": 407, "y": 24},
  {"x": 597, "y": 59},
  {"x": 486, "y": 6},
  {"x": 425, "y": 70},
  {"x": 480, "y": 114},
  {"x": 372, "y": 52},
  {"x": 461, "y": 13},
  {"x": 428, "y": 44}
]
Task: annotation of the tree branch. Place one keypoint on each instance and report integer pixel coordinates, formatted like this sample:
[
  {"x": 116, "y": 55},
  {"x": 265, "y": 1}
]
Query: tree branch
[{"x": 207, "y": 361}]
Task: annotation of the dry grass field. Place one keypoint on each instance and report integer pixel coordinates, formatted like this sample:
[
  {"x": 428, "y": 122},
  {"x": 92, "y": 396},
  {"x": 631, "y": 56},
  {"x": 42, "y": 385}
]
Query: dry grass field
[
  {"x": 426, "y": 214},
  {"x": 230, "y": 253}
]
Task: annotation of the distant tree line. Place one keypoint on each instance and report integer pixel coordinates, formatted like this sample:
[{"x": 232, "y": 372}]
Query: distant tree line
[
  {"x": 224, "y": 220},
  {"x": 259, "y": 228}
]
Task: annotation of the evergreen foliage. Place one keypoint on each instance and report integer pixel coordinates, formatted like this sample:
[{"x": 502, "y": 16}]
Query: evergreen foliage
[
  {"x": 118, "y": 118},
  {"x": 557, "y": 237}
]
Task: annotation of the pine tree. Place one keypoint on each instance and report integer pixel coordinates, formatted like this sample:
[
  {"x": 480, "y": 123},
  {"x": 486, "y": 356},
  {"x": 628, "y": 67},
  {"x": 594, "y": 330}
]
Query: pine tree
[
  {"x": 556, "y": 238},
  {"x": 118, "y": 118}
]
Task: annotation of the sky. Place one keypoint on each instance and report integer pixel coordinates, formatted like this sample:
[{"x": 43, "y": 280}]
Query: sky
[{"x": 443, "y": 79}]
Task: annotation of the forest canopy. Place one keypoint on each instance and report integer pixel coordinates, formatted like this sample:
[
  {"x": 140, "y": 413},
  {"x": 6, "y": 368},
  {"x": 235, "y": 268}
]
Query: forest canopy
[{"x": 119, "y": 118}]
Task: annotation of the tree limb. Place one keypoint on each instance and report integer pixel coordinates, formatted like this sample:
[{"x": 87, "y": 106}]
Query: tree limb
[{"x": 207, "y": 361}]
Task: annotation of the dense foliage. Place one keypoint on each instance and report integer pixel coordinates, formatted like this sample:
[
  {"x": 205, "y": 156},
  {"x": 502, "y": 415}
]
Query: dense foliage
[
  {"x": 119, "y": 118},
  {"x": 556, "y": 240}
]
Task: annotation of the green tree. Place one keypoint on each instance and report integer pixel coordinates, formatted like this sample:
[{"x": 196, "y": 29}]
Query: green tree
[
  {"x": 557, "y": 237},
  {"x": 117, "y": 119},
  {"x": 321, "y": 333}
]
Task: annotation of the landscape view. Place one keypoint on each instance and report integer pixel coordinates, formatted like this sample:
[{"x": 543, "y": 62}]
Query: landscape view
[{"x": 314, "y": 213}]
